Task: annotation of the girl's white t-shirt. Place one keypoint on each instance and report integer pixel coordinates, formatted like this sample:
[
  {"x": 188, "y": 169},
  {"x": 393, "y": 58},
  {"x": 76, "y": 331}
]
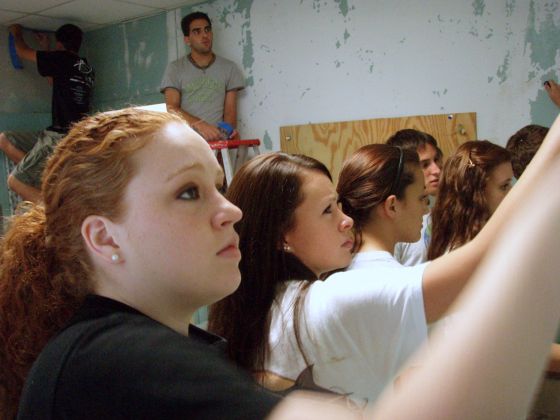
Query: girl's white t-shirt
[{"x": 357, "y": 327}]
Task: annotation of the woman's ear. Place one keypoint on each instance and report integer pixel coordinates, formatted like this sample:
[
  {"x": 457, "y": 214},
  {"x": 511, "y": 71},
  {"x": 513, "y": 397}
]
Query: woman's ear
[
  {"x": 99, "y": 240},
  {"x": 389, "y": 206}
]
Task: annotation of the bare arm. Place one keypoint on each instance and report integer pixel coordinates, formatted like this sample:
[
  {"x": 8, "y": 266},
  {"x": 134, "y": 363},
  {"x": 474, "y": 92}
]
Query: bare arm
[
  {"x": 23, "y": 50},
  {"x": 496, "y": 344},
  {"x": 230, "y": 111},
  {"x": 445, "y": 277},
  {"x": 173, "y": 104}
]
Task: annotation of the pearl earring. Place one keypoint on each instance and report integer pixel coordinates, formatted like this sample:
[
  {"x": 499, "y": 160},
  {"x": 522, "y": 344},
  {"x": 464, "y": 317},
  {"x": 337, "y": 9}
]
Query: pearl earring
[
  {"x": 115, "y": 258},
  {"x": 287, "y": 248}
]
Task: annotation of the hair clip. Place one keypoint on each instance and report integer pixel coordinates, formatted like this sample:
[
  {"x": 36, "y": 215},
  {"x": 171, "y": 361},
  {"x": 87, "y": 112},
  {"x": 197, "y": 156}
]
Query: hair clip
[{"x": 471, "y": 164}]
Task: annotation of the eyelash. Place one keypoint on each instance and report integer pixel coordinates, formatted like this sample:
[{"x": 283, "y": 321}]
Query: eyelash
[{"x": 328, "y": 210}]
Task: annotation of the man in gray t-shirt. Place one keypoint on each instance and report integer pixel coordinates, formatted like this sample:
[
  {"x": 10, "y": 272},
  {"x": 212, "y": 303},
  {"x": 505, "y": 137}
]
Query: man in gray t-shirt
[{"x": 201, "y": 86}]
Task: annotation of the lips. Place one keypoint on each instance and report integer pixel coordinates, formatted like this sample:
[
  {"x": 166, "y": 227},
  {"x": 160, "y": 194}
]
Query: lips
[
  {"x": 348, "y": 244},
  {"x": 231, "y": 250}
]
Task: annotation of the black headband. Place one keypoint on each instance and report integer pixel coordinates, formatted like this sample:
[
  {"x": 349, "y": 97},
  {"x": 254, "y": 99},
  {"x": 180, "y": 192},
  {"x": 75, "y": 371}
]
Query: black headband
[{"x": 397, "y": 179}]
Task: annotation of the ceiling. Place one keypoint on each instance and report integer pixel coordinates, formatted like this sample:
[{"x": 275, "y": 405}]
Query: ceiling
[{"x": 87, "y": 14}]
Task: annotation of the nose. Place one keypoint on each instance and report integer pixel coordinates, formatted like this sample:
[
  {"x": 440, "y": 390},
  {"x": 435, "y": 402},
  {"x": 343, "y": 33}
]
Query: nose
[
  {"x": 227, "y": 213},
  {"x": 434, "y": 168},
  {"x": 346, "y": 223}
]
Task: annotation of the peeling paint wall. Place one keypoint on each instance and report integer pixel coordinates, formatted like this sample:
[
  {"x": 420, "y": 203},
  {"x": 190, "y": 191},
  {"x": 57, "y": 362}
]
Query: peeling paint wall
[
  {"x": 331, "y": 60},
  {"x": 129, "y": 61},
  {"x": 25, "y": 97}
]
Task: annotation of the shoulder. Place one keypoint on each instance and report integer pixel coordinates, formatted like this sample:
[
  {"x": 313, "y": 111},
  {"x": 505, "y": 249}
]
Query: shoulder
[
  {"x": 225, "y": 63},
  {"x": 52, "y": 55},
  {"x": 223, "y": 60},
  {"x": 182, "y": 62},
  {"x": 130, "y": 341},
  {"x": 382, "y": 285},
  {"x": 131, "y": 363}
]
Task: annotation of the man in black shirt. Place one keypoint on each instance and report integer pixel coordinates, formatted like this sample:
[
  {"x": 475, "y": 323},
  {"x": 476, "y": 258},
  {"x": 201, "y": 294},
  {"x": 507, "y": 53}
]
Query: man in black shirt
[{"x": 72, "y": 80}]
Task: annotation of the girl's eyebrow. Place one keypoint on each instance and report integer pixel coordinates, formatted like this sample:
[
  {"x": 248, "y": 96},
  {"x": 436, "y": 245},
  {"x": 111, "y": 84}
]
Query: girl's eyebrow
[{"x": 187, "y": 167}]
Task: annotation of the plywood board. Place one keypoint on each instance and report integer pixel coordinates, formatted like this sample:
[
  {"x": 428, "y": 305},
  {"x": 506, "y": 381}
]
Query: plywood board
[{"x": 331, "y": 143}]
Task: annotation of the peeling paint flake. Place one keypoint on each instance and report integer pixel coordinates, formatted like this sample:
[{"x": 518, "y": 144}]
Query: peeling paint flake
[
  {"x": 510, "y": 7},
  {"x": 267, "y": 141},
  {"x": 478, "y": 7},
  {"x": 502, "y": 73},
  {"x": 304, "y": 92},
  {"x": 541, "y": 38},
  {"x": 343, "y": 6}
]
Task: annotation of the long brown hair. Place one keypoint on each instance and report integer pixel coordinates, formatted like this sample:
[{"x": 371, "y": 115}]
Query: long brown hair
[
  {"x": 370, "y": 176},
  {"x": 461, "y": 209},
  {"x": 268, "y": 190},
  {"x": 45, "y": 269}
]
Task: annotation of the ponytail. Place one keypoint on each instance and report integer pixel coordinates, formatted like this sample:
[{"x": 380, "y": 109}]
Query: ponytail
[{"x": 35, "y": 301}]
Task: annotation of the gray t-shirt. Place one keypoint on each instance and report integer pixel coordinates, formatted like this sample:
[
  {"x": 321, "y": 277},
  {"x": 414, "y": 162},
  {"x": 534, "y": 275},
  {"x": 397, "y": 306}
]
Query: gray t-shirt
[{"x": 203, "y": 91}]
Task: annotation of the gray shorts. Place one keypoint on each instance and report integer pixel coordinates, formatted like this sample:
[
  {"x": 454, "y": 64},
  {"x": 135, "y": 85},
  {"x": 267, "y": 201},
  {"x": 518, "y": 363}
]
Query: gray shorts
[{"x": 38, "y": 146}]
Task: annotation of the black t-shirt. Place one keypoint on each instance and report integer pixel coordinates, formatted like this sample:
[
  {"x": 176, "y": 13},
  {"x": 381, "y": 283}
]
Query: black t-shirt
[
  {"x": 113, "y": 362},
  {"x": 73, "y": 81}
]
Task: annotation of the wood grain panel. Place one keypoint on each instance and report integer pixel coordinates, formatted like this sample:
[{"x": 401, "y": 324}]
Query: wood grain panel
[{"x": 333, "y": 142}]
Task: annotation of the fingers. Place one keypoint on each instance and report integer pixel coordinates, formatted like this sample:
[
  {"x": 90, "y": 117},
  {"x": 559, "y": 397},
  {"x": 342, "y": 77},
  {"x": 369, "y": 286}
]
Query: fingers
[
  {"x": 553, "y": 90},
  {"x": 15, "y": 29},
  {"x": 234, "y": 135},
  {"x": 209, "y": 132}
]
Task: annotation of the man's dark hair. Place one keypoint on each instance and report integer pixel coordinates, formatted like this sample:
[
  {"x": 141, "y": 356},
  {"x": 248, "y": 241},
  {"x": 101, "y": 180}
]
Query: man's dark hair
[
  {"x": 70, "y": 36},
  {"x": 187, "y": 20},
  {"x": 411, "y": 139},
  {"x": 523, "y": 145}
]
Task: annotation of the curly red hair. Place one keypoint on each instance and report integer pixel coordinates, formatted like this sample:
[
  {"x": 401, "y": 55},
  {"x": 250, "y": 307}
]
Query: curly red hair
[{"x": 46, "y": 271}]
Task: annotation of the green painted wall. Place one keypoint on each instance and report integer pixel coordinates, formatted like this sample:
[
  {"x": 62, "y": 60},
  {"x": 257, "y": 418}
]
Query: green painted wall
[{"x": 129, "y": 60}]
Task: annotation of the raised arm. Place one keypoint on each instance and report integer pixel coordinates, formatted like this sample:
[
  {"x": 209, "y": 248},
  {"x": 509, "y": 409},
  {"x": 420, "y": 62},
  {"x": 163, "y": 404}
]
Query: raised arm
[
  {"x": 553, "y": 90},
  {"x": 445, "y": 277},
  {"x": 23, "y": 50},
  {"x": 509, "y": 315},
  {"x": 489, "y": 365}
]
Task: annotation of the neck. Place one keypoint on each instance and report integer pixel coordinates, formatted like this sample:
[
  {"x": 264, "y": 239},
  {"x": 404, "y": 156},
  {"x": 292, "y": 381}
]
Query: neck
[
  {"x": 202, "y": 59},
  {"x": 169, "y": 312},
  {"x": 378, "y": 236}
]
